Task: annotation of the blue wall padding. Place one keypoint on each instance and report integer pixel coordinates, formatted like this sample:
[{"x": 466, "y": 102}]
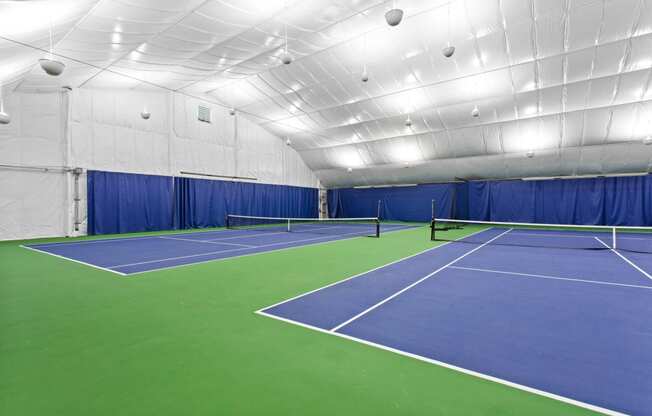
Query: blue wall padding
[
  {"x": 205, "y": 203},
  {"x": 405, "y": 203},
  {"x": 595, "y": 201},
  {"x": 124, "y": 202}
]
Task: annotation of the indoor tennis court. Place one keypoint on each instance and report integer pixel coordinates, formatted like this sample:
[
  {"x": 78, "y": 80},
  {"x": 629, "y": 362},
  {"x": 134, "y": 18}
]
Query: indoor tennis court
[{"x": 325, "y": 207}]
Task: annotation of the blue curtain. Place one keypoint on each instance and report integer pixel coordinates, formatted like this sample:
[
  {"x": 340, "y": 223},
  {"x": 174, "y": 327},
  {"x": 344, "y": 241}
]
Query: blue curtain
[
  {"x": 123, "y": 202},
  {"x": 593, "y": 201},
  {"x": 513, "y": 201},
  {"x": 205, "y": 203},
  {"x": 126, "y": 203},
  {"x": 406, "y": 203}
]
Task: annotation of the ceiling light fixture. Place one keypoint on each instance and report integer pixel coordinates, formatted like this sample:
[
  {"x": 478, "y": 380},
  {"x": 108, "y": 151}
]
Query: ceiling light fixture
[
  {"x": 448, "y": 50},
  {"x": 286, "y": 58},
  {"x": 408, "y": 121},
  {"x": 288, "y": 142},
  {"x": 647, "y": 140},
  {"x": 475, "y": 112},
  {"x": 349, "y": 170},
  {"x": 394, "y": 15},
  {"x": 49, "y": 65},
  {"x": 365, "y": 75},
  {"x": 145, "y": 114},
  {"x": 530, "y": 154},
  {"x": 232, "y": 111},
  {"x": 4, "y": 117}
]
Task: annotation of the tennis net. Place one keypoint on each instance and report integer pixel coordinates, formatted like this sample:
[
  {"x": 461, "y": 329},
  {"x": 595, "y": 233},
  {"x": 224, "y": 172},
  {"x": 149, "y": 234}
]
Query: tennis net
[
  {"x": 330, "y": 226},
  {"x": 588, "y": 237}
]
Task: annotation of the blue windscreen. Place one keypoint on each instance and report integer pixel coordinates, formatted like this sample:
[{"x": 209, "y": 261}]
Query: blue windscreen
[
  {"x": 205, "y": 203},
  {"x": 125, "y": 202},
  {"x": 594, "y": 201}
]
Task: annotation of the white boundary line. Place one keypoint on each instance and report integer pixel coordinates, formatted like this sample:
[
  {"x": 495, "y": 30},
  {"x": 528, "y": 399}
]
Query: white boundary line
[
  {"x": 366, "y": 272},
  {"x": 73, "y": 260},
  {"x": 452, "y": 367},
  {"x": 206, "y": 241},
  {"x": 227, "y": 251},
  {"x": 607, "y": 228},
  {"x": 646, "y": 274},
  {"x": 543, "y": 276},
  {"x": 407, "y": 228},
  {"x": 285, "y": 232},
  {"x": 387, "y": 299},
  {"x": 547, "y": 234},
  {"x": 98, "y": 237}
]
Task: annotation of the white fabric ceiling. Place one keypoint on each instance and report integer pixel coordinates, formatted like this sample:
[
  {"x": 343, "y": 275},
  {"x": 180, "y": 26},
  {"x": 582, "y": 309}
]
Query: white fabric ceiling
[{"x": 567, "y": 79}]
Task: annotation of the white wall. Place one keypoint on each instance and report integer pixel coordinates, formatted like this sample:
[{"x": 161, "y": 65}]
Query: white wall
[
  {"x": 109, "y": 134},
  {"x": 103, "y": 130},
  {"x": 33, "y": 203}
]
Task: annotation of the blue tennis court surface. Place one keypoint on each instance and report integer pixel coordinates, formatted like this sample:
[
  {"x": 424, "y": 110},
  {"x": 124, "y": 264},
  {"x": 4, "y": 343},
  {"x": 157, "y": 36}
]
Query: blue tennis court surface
[
  {"x": 132, "y": 255},
  {"x": 575, "y": 325}
]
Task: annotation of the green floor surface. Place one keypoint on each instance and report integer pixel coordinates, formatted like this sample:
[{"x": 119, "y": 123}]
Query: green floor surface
[{"x": 79, "y": 341}]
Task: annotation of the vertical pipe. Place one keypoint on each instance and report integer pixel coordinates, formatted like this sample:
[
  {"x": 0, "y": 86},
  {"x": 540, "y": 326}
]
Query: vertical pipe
[{"x": 76, "y": 200}]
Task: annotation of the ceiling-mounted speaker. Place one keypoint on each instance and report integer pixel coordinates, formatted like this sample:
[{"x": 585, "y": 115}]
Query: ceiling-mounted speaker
[
  {"x": 448, "y": 51},
  {"x": 52, "y": 67},
  {"x": 394, "y": 17}
]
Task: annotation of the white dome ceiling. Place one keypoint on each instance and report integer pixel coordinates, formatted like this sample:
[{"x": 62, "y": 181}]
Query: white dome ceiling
[{"x": 566, "y": 79}]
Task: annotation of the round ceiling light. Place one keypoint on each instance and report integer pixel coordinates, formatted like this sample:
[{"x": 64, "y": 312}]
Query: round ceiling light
[
  {"x": 448, "y": 51},
  {"x": 365, "y": 76},
  {"x": 52, "y": 67},
  {"x": 394, "y": 17},
  {"x": 4, "y": 118},
  {"x": 475, "y": 112},
  {"x": 286, "y": 58}
]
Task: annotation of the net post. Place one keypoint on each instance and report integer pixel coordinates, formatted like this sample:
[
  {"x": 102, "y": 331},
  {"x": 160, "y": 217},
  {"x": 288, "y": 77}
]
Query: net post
[
  {"x": 432, "y": 220},
  {"x": 289, "y": 225},
  {"x": 377, "y": 227},
  {"x": 613, "y": 238},
  {"x": 227, "y": 222},
  {"x": 379, "y": 208}
]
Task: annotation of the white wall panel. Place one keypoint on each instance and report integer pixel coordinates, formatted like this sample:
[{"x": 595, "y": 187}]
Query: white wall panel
[
  {"x": 106, "y": 132},
  {"x": 33, "y": 202}
]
